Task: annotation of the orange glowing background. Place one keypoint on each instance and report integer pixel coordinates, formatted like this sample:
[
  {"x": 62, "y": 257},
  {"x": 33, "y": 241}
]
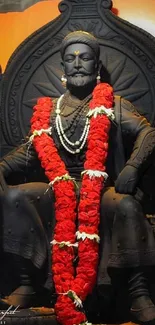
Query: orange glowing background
[{"x": 15, "y": 27}]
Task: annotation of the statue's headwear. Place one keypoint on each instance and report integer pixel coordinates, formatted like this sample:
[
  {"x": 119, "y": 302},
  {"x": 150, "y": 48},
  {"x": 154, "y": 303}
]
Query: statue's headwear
[{"x": 83, "y": 37}]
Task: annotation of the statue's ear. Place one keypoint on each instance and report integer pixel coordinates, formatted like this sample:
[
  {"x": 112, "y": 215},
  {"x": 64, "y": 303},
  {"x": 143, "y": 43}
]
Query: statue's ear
[
  {"x": 99, "y": 65},
  {"x": 62, "y": 66}
]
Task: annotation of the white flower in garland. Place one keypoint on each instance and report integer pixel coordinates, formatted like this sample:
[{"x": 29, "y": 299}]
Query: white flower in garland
[
  {"x": 40, "y": 132},
  {"x": 73, "y": 296},
  {"x": 109, "y": 112},
  {"x": 84, "y": 235},
  {"x": 65, "y": 177},
  {"x": 63, "y": 243},
  {"x": 95, "y": 173}
]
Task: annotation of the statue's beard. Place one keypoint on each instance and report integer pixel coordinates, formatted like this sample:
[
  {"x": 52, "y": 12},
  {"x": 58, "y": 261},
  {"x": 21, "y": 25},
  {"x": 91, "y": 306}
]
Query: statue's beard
[{"x": 80, "y": 81}]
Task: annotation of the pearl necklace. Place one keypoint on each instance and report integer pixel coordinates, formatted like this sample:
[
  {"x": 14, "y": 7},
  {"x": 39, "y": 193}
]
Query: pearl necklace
[{"x": 79, "y": 144}]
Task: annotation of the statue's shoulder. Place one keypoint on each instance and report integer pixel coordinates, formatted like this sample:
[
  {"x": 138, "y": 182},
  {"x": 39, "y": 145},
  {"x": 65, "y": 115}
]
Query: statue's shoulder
[{"x": 121, "y": 104}]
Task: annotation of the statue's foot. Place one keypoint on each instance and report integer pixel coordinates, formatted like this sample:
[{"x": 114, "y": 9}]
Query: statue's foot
[
  {"x": 23, "y": 297},
  {"x": 143, "y": 311},
  {"x": 3, "y": 305}
]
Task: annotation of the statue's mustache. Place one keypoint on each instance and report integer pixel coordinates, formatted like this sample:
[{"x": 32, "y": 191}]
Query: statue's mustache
[{"x": 78, "y": 72}]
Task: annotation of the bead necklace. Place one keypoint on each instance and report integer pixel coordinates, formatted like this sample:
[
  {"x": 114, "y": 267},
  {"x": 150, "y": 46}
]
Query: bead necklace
[
  {"x": 77, "y": 111},
  {"x": 79, "y": 144}
]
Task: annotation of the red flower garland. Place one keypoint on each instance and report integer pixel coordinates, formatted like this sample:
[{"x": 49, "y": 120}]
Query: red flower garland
[{"x": 71, "y": 283}]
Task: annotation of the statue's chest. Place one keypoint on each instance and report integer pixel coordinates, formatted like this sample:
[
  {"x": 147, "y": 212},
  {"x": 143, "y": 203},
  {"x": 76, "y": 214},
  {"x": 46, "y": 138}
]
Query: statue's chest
[{"x": 73, "y": 125}]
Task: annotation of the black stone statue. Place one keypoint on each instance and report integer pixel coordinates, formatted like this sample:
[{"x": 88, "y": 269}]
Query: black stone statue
[{"x": 127, "y": 248}]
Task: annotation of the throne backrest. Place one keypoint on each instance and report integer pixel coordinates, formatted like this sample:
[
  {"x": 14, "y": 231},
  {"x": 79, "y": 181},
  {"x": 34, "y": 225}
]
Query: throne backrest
[{"x": 34, "y": 70}]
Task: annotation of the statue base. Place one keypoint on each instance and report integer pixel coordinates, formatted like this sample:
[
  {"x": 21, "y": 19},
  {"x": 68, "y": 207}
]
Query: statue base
[{"x": 33, "y": 316}]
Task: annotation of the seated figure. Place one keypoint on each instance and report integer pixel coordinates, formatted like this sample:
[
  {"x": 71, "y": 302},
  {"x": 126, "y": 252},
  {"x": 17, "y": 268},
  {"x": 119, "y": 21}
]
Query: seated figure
[{"x": 78, "y": 145}]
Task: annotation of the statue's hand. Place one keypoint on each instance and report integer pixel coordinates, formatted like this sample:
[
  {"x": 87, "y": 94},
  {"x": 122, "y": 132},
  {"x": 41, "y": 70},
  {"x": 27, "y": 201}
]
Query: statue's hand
[{"x": 127, "y": 180}]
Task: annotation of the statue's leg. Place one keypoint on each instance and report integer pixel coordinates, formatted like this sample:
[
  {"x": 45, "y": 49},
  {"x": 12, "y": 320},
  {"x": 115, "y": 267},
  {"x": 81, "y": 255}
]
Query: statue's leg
[
  {"x": 25, "y": 236},
  {"x": 128, "y": 238}
]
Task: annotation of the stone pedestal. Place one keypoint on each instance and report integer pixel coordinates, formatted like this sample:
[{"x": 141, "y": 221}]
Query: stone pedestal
[{"x": 32, "y": 316}]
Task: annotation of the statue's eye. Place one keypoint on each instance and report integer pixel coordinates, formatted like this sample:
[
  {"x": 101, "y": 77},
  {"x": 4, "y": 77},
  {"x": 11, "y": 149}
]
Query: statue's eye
[
  {"x": 87, "y": 58},
  {"x": 69, "y": 59}
]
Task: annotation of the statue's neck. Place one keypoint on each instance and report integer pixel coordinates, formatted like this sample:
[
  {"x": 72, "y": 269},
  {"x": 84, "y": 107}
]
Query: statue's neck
[{"x": 72, "y": 104}]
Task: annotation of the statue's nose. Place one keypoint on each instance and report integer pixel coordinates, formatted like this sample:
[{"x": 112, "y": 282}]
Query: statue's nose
[{"x": 77, "y": 61}]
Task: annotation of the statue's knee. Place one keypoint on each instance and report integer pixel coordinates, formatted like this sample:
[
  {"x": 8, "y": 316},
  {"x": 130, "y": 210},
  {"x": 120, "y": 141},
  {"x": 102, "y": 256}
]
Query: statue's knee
[
  {"x": 128, "y": 206},
  {"x": 14, "y": 201},
  {"x": 14, "y": 195}
]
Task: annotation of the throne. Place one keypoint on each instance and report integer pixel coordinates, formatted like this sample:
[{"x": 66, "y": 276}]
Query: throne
[{"x": 33, "y": 71}]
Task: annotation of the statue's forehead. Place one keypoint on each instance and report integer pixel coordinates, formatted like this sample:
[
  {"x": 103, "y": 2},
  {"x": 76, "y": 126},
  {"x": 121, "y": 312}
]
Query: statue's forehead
[{"x": 78, "y": 48}]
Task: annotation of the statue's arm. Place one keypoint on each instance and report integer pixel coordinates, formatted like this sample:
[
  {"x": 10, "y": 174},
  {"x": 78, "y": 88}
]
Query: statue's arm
[
  {"x": 136, "y": 126},
  {"x": 144, "y": 135},
  {"x": 19, "y": 160}
]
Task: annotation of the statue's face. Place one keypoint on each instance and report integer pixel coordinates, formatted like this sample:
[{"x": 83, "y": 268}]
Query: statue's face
[{"x": 80, "y": 65}]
